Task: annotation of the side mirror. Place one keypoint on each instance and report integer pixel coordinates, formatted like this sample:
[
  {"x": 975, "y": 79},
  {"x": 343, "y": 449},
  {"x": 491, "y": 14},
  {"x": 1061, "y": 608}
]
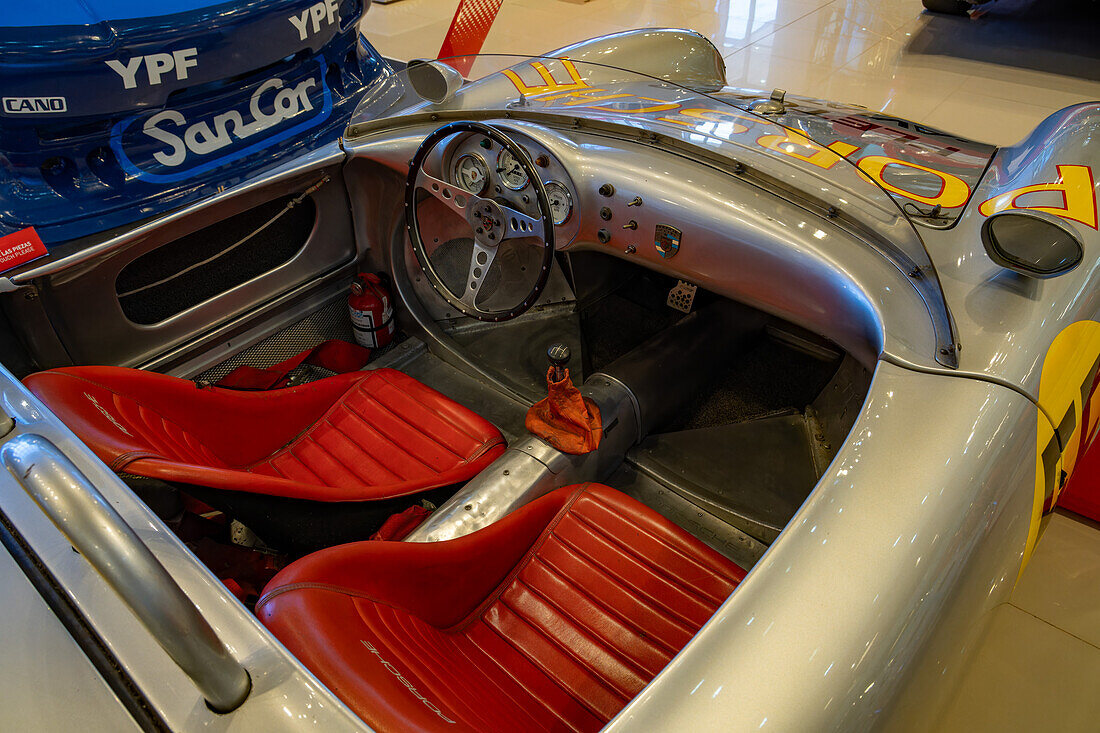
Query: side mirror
[
  {"x": 1030, "y": 243},
  {"x": 433, "y": 80}
]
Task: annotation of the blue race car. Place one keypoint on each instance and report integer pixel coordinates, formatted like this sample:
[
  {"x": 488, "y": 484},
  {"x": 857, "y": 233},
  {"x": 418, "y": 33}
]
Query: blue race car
[{"x": 112, "y": 111}]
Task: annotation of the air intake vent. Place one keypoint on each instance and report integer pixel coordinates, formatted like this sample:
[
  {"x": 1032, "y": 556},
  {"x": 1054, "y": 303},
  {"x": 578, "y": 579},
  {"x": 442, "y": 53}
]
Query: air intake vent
[{"x": 184, "y": 273}]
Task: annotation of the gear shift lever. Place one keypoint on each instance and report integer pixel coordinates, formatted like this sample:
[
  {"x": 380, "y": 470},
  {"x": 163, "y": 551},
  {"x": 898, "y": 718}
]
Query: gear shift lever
[
  {"x": 565, "y": 419},
  {"x": 558, "y": 355}
]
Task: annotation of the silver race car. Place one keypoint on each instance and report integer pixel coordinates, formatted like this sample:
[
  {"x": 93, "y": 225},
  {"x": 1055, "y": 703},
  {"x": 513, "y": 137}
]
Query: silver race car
[{"x": 707, "y": 409}]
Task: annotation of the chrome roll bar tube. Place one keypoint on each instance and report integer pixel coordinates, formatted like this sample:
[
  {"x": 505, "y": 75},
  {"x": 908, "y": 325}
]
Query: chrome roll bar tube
[{"x": 99, "y": 533}]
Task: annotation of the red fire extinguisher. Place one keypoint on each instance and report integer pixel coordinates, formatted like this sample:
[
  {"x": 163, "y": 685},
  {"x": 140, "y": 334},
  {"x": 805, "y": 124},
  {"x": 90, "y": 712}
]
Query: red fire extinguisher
[{"x": 371, "y": 310}]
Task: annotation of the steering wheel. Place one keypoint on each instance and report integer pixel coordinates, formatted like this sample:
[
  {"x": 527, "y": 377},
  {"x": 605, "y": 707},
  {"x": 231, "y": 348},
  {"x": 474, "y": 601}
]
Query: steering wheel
[{"x": 491, "y": 220}]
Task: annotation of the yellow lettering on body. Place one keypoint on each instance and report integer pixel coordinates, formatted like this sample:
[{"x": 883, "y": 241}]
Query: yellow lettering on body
[
  {"x": 953, "y": 190},
  {"x": 1074, "y": 183}
]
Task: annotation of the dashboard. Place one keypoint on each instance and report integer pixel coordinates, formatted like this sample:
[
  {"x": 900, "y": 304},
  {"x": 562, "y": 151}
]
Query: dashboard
[{"x": 675, "y": 214}]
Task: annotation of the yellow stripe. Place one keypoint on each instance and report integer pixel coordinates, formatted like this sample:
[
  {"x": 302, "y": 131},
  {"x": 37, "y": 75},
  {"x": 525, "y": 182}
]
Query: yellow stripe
[{"x": 1062, "y": 384}]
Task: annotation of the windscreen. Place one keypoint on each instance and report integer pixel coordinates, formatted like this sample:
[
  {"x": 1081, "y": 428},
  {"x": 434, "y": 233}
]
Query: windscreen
[{"x": 776, "y": 144}]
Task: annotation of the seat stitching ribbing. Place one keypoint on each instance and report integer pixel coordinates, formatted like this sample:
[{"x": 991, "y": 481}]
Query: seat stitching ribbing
[
  {"x": 425, "y": 406},
  {"x": 507, "y": 581},
  {"x": 352, "y": 411},
  {"x": 598, "y": 602},
  {"x": 659, "y": 572},
  {"x": 415, "y": 427},
  {"x": 547, "y": 672},
  {"x": 596, "y": 641}
]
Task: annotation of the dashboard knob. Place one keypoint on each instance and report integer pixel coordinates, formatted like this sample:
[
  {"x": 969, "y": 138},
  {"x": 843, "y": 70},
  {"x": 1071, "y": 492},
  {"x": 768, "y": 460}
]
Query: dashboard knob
[
  {"x": 636, "y": 202},
  {"x": 604, "y": 236},
  {"x": 630, "y": 225},
  {"x": 607, "y": 190}
]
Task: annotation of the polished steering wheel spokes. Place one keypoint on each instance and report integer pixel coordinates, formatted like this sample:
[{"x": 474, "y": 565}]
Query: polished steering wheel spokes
[
  {"x": 456, "y": 197},
  {"x": 517, "y": 224},
  {"x": 492, "y": 223},
  {"x": 480, "y": 261}
]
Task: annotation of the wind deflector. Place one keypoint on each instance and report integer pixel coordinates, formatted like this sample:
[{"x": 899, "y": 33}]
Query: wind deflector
[{"x": 827, "y": 177}]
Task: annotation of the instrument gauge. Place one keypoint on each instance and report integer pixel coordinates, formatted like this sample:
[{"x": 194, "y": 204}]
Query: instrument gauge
[
  {"x": 561, "y": 203},
  {"x": 471, "y": 173},
  {"x": 509, "y": 170}
]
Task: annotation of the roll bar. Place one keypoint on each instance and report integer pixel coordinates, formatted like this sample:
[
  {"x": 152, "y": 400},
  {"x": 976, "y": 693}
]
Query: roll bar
[{"x": 100, "y": 534}]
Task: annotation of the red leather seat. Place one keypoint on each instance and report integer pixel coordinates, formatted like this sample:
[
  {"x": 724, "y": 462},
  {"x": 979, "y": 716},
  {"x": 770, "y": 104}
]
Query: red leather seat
[
  {"x": 552, "y": 618},
  {"x": 360, "y": 436}
]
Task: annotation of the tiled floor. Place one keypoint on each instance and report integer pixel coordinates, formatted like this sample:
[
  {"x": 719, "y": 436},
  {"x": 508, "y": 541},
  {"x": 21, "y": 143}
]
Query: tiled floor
[
  {"x": 1037, "y": 666},
  {"x": 884, "y": 54}
]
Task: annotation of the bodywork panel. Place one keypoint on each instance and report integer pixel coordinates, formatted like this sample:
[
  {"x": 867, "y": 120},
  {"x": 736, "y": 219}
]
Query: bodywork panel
[
  {"x": 281, "y": 688},
  {"x": 861, "y": 612},
  {"x": 110, "y": 116},
  {"x": 894, "y": 553}
]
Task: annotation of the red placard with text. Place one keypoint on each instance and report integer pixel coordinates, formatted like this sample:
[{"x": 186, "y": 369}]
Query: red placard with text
[
  {"x": 467, "y": 33},
  {"x": 20, "y": 248}
]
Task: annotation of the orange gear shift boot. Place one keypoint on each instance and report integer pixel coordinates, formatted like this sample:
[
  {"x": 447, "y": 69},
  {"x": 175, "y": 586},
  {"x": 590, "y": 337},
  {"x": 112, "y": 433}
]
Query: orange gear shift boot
[{"x": 566, "y": 420}]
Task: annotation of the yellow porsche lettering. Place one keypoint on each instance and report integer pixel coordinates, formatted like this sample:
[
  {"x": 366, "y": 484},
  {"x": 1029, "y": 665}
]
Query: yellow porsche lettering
[
  {"x": 953, "y": 190},
  {"x": 695, "y": 116},
  {"x": 661, "y": 106},
  {"x": 1075, "y": 185},
  {"x": 582, "y": 96},
  {"x": 799, "y": 146},
  {"x": 550, "y": 84}
]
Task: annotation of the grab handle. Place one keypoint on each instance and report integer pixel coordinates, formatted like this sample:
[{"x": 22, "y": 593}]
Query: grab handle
[{"x": 99, "y": 533}]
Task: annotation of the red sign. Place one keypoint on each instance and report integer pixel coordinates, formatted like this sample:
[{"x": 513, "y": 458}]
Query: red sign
[
  {"x": 20, "y": 248},
  {"x": 467, "y": 33}
]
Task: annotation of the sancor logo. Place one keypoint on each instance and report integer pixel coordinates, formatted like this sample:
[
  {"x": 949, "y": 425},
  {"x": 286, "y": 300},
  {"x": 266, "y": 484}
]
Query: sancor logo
[
  {"x": 206, "y": 137},
  {"x": 34, "y": 105},
  {"x": 175, "y": 144}
]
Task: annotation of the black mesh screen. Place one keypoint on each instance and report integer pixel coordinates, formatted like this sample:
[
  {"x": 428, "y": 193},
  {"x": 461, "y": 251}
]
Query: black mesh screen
[{"x": 159, "y": 284}]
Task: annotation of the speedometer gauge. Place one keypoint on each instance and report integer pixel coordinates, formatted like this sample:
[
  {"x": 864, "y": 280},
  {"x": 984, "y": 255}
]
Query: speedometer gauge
[
  {"x": 509, "y": 170},
  {"x": 561, "y": 203},
  {"x": 472, "y": 173}
]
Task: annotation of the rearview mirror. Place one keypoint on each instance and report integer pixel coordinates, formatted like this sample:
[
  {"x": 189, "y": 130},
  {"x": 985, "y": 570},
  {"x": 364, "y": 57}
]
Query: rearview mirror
[{"x": 1031, "y": 244}]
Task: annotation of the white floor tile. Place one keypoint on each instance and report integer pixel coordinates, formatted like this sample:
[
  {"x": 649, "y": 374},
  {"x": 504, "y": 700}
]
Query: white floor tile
[
  {"x": 1026, "y": 676},
  {"x": 1062, "y": 582}
]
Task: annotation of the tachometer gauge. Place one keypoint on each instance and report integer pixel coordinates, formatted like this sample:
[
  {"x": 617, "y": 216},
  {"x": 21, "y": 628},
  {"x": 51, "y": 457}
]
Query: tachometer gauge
[
  {"x": 509, "y": 170},
  {"x": 561, "y": 203},
  {"x": 472, "y": 173}
]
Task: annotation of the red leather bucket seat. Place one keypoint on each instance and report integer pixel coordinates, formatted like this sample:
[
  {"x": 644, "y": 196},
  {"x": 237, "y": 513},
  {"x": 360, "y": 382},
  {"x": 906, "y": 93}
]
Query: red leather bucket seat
[
  {"x": 552, "y": 618},
  {"x": 357, "y": 437}
]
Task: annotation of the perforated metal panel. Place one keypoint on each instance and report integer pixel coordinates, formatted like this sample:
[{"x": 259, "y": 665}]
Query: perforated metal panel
[
  {"x": 329, "y": 322},
  {"x": 452, "y": 261}
]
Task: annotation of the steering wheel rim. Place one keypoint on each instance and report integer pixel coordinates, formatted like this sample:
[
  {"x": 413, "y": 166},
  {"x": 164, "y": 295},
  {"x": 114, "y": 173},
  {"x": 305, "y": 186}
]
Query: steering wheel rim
[{"x": 476, "y": 208}]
